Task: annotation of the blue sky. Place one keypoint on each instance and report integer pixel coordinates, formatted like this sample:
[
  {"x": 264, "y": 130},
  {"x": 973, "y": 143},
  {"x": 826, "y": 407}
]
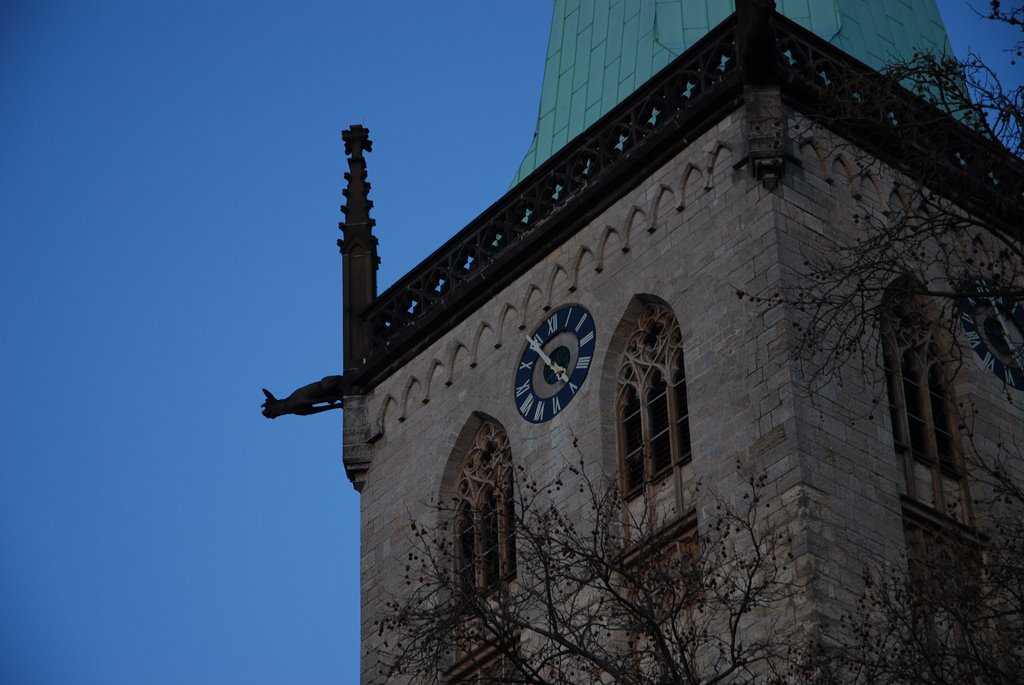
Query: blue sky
[{"x": 170, "y": 177}]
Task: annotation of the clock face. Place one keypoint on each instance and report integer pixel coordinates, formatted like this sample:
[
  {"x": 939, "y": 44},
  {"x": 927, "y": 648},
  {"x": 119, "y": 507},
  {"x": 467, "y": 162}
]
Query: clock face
[
  {"x": 554, "y": 363},
  {"x": 995, "y": 331}
]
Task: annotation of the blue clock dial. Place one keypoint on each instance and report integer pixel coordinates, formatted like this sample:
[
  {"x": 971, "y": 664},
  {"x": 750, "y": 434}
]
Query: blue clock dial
[
  {"x": 994, "y": 327},
  {"x": 554, "y": 363}
]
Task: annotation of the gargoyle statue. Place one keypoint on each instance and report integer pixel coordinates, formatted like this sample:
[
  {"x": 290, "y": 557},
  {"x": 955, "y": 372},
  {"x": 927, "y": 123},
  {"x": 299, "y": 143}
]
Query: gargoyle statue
[{"x": 314, "y": 398}]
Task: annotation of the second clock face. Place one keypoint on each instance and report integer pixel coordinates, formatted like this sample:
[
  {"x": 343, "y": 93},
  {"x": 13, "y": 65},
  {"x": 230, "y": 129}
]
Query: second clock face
[
  {"x": 554, "y": 363},
  {"x": 995, "y": 330}
]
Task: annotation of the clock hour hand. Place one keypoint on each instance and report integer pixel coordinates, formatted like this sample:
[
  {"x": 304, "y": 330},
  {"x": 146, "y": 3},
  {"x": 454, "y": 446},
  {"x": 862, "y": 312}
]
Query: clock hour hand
[{"x": 558, "y": 370}]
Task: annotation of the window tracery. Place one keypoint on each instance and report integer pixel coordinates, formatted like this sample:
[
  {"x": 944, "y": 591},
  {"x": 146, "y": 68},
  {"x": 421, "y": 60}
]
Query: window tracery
[
  {"x": 924, "y": 421},
  {"x": 653, "y": 415},
  {"x": 485, "y": 515}
]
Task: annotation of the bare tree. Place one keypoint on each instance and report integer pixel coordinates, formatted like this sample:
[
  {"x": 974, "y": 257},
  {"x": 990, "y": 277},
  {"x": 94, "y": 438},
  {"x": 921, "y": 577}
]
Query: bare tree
[
  {"x": 952, "y": 614},
  {"x": 600, "y": 596},
  {"x": 948, "y": 136},
  {"x": 1012, "y": 15}
]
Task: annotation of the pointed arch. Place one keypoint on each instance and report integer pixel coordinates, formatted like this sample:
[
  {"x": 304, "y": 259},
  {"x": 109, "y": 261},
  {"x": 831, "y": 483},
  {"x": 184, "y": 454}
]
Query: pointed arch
[
  {"x": 897, "y": 204},
  {"x": 637, "y": 219},
  {"x": 558, "y": 282},
  {"x": 533, "y": 300},
  {"x": 645, "y": 380},
  {"x": 583, "y": 257},
  {"x": 664, "y": 200},
  {"x": 505, "y": 321},
  {"x": 841, "y": 168},
  {"x": 922, "y": 410},
  {"x": 817, "y": 156},
  {"x": 388, "y": 408},
  {"x": 436, "y": 371},
  {"x": 484, "y": 337},
  {"x": 690, "y": 186},
  {"x": 478, "y": 479},
  {"x": 898, "y": 200},
  {"x": 413, "y": 392},
  {"x": 460, "y": 355},
  {"x": 610, "y": 239},
  {"x": 870, "y": 188},
  {"x": 715, "y": 158}
]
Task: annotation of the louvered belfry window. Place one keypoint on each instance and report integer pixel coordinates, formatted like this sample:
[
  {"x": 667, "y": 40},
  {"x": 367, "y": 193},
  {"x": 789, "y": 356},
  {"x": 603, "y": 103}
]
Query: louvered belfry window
[
  {"x": 485, "y": 512},
  {"x": 653, "y": 417},
  {"x": 922, "y": 413}
]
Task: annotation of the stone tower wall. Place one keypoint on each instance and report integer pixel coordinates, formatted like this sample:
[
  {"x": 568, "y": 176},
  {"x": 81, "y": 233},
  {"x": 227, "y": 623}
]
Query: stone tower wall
[{"x": 692, "y": 234}]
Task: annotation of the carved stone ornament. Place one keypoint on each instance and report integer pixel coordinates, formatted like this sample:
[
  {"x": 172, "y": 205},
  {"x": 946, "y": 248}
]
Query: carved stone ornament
[
  {"x": 487, "y": 466},
  {"x": 314, "y": 398},
  {"x": 655, "y": 345}
]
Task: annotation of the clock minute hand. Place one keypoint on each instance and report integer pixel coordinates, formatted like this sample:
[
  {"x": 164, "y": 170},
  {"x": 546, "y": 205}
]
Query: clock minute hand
[
  {"x": 558, "y": 370},
  {"x": 1009, "y": 327}
]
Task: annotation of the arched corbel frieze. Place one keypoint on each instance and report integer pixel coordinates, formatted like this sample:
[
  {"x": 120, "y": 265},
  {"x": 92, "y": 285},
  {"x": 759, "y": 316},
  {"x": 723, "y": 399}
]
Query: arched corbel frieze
[
  {"x": 485, "y": 339},
  {"x": 898, "y": 203},
  {"x": 558, "y": 283},
  {"x": 637, "y": 219},
  {"x": 663, "y": 202},
  {"x": 410, "y": 398},
  {"x": 583, "y": 258},
  {"x": 533, "y": 302},
  {"x": 436, "y": 372},
  {"x": 388, "y": 409},
  {"x": 811, "y": 153},
  {"x": 505, "y": 322},
  {"x": 692, "y": 183},
  {"x": 459, "y": 357},
  {"x": 871, "y": 190},
  {"x": 610, "y": 240},
  {"x": 842, "y": 169},
  {"x": 717, "y": 154}
]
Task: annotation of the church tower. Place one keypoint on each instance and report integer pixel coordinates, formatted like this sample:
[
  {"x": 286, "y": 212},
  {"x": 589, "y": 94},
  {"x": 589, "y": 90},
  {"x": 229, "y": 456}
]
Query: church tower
[{"x": 634, "y": 309}]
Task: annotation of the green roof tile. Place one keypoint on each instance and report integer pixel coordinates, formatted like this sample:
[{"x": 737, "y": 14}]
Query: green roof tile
[
  {"x": 668, "y": 25},
  {"x": 601, "y": 50}
]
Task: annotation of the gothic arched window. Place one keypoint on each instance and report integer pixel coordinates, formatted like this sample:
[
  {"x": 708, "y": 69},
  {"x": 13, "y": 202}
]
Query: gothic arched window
[
  {"x": 924, "y": 422},
  {"x": 485, "y": 511},
  {"x": 653, "y": 417}
]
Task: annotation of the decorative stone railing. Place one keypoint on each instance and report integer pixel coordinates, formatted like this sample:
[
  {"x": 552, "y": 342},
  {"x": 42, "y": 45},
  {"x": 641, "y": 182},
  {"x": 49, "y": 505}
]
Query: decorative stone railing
[
  {"x": 683, "y": 91},
  {"x": 661, "y": 117}
]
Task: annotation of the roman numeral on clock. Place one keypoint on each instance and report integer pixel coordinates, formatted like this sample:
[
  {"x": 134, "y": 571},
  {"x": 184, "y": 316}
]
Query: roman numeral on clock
[{"x": 580, "y": 322}]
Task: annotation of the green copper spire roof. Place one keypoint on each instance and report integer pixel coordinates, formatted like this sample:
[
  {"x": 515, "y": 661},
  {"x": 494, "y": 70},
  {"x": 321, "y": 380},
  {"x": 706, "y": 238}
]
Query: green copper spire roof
[{"x": 600, "y": 51}]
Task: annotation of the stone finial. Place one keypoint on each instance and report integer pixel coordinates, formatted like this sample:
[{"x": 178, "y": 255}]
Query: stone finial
[
  {"x": 359, "y": 260},
  {"x": 357, "y": 193}
]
